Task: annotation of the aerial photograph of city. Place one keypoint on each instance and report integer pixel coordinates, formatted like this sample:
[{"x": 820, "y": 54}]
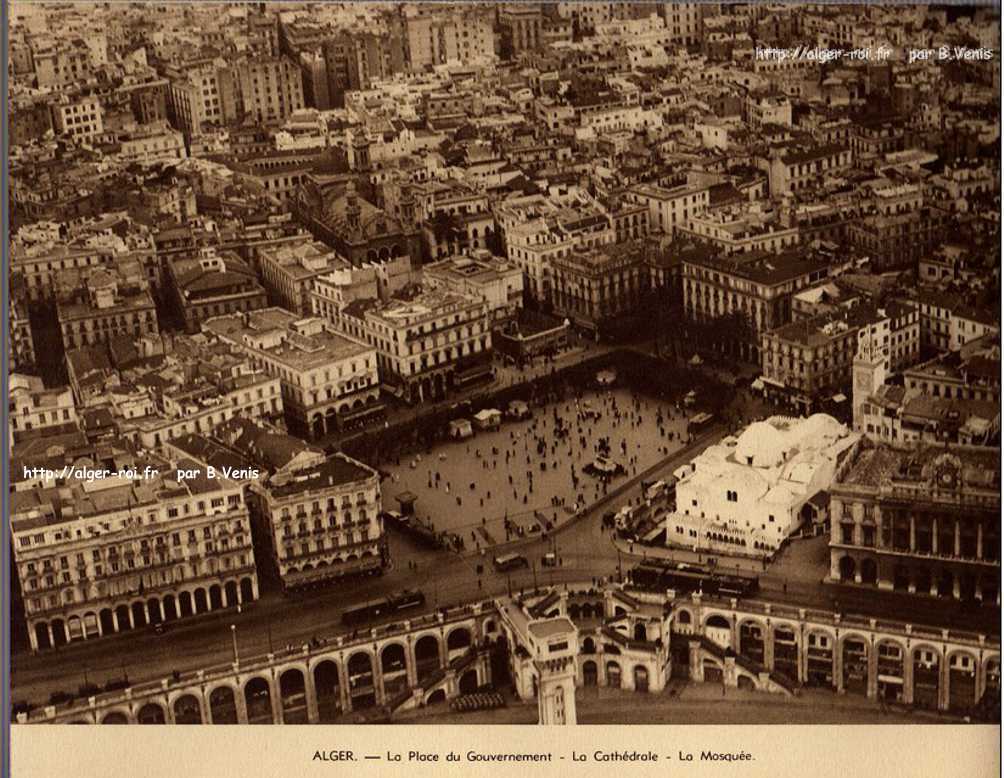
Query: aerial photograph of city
[{"x": 504, "y": 363}]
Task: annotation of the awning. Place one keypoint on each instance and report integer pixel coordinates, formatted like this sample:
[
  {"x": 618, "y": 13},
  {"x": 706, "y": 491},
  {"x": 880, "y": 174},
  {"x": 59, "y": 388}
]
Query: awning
[{"x": 757, "y": 385}]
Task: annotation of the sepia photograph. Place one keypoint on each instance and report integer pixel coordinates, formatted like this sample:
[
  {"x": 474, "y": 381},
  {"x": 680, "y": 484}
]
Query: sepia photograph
[{"x": 569, "y": 363}]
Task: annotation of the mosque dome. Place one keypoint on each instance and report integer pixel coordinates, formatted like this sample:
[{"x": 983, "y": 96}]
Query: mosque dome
[{"x": 761, "y": 445}]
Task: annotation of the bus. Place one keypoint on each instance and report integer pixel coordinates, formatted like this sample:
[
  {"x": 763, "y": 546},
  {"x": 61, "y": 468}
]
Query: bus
[{"x": 510, "y": 562}]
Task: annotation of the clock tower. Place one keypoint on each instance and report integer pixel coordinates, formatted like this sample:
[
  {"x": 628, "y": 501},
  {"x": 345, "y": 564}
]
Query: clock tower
[{"x": 869, "y": 374}]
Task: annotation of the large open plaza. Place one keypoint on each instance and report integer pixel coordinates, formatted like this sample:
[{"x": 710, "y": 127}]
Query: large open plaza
[{"x": 499, "y": 485}]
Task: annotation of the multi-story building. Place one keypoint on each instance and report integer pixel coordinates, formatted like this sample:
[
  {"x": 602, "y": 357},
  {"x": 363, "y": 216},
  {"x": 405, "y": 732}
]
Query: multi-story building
[
  {"x": 172, "y": 387},
  {"x": 148, "y": 144},
  {"x": 288, "y": 272},
  {"x": 212, "y": 284},
  {"x": 922, "y": 519},
  {"x": 748, "y": 494},
  {"x": 98, "y": 555},
  {"x": 808, "y": 362},
  {"x": 669, "y": 209},
  {"x": 536, "y": 230},
  {"x": 431, "y": 38},
  {"x": 971, "y": 374},
  {"x": 22, "y": 345},
  {"x": 797, "y": 170},
  {"x": 742, "y": 227},
  {"x": 762, "y": 109},
  {"x": 757, "y": 285},
  {"x": 522, "y": 28},
  {"x": 79, "y": 119},
  {"x": 594, "y": 285},
  {"x": 329, "y": 381},
  {"x": 428, "y": 342},
  {"x": 900, "y": 416},
  {"x": 948, "y": 323},
  {"x": 108, "y": 305},
  {"x": 204, "y": 94},
  {"x": 270, "y": 88},
  {"x": 323, "y": 522},
  {"x": 60, "y": 63},
  {"x": 482, "y": 276},
  {"x": 895, "y": 229},
  {"x": 35, "y": 409},
  {"x": 684, "y": 22}
]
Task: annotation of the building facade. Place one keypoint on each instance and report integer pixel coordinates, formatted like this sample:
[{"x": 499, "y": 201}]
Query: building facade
[
  {"x": 922, "y": 519},
  {"x": 329, "y": 381},
  {"x": 100, "y": 556},
  {"x": 323, "y": 522}
]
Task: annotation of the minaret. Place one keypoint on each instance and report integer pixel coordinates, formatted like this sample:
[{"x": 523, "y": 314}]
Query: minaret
[
  {"x": 352, "y": 210},
  {"x": 869, "y": 374},
  {"x": 361, "y": 151}
]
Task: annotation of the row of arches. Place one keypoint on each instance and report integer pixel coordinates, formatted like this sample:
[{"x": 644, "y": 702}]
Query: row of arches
[
  {"x": 921, "y": 674},
  {"x": 336, "y": 687},
  {"x": 331, "y": 420},
  {"x": 141, "y": 612},
  {"x": 613, "y": 675},
  {"x": 921, "y": 579}
]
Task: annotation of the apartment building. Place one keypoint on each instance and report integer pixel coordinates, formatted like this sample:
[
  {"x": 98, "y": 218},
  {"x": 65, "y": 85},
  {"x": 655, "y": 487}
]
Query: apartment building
[
  {"x": 428, "y": 342},
  {"x": 107, "y": 305},
  {"x": 213, "y": 283},
  {"x": 288, "y": 272},
  {"x": 329, "y": 381},
  {"x": 594, "y": 285},
  {"x": 80, "y": 119},
  {"x": 481, "y": 276},
  {"x": 804, "y": 169},
  {"x": 96, "y": 556},
  {"x": 323, "y": 522},
  {"x": 37, "y": 410},
  {"x": 670, "y": 209},
  {"x": 758, "y": 285}
]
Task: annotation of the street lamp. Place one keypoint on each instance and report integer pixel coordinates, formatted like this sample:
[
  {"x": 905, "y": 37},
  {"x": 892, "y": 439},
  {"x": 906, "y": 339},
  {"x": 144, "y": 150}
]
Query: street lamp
[{"x": 233, "y": 635}]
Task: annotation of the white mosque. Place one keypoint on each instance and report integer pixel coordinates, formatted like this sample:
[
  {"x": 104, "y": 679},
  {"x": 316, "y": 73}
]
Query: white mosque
[{"x": 746, "y": 494}]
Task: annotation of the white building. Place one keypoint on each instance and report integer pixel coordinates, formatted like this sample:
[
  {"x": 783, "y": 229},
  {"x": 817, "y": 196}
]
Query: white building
[{"x": 747, "y": 494}]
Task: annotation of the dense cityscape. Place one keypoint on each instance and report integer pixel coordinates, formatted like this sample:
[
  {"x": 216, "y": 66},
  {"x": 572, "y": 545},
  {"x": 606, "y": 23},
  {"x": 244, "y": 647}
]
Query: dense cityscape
[{"x": 547, "y": 363}]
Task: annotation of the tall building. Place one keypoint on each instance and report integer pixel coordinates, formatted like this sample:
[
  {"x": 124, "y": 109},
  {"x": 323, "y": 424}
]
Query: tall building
[
  {"x": 522, "y": 28},
  {"x": 271, "y": 88}
]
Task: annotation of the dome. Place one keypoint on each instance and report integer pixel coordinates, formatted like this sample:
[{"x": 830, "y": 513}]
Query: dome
[
  {"x": 762, "y": 445},
  {"x": 820, "y": 428}
]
